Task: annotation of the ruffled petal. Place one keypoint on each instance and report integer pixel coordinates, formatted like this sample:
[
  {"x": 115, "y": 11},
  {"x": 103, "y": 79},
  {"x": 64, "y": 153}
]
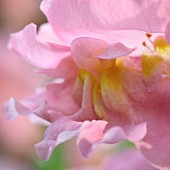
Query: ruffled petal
[
  {"x": 96, "y": 134},
  {"x": 14, "y": 108},
  {"x": 49, "y": 103},
  {"x": 84, "y": 51},
  {"x": 41, "y": 55},
  {"x": 57, "y": 133},
  {"x": 90, "y": 135},
  {"x": 87, "y": 53}
]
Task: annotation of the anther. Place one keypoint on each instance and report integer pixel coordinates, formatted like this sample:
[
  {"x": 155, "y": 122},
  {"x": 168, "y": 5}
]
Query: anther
[
  {"x": 144, "y": 43},
  {"x": 148, "y": 35}
]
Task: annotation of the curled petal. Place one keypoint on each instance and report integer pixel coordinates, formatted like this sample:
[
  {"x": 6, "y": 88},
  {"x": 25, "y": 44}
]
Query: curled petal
[
  {"x": 57, "y": 133},
  {"x": 90, "y": 135},
  {"x": 41, "y": 55},
  {"x": 14, "y": 108},
  {"x": 84, "y": 51},
  {"x": 95, "y": 134},
  {"x": 114, "y": 51},
  {"x": 46, "y": 34},
  {"x": 87, "y": 53}
]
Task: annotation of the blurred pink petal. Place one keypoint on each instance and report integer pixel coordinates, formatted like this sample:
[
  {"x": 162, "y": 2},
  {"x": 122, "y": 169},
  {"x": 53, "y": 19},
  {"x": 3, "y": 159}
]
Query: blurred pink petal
[{"x": 16, "y": 79}]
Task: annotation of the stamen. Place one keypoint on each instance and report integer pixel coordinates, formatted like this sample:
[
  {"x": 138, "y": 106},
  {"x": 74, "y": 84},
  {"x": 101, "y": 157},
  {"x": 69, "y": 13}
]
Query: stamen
[
  {"x": 148, "y": 35},
  {"x": 150, "y": 47}
]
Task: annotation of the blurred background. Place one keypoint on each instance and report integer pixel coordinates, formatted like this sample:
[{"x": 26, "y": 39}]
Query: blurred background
[{"x": 17, "y": 137}]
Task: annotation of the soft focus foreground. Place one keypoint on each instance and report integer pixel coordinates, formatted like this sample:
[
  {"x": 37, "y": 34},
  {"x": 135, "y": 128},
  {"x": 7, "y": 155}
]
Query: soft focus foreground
[{"x": 110, "y": 71}]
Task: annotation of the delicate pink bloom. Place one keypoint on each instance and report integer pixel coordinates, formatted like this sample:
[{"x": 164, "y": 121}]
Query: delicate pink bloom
[{"x": 115, "y": 76}]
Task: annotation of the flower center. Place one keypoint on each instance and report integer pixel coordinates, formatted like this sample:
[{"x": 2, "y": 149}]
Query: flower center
[{"x": 122, "y": 83}]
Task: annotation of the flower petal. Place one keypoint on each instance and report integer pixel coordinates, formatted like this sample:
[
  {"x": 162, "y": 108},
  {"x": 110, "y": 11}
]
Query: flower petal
[
  {"x": 84, "y": 51},
  {"x": 82, "y": 18},
  {"x": 41, "y": 55},
  {"x": 96, "y": 134},
  {"x": 62, "y": 70},
  {"x": 156, "y": 114},
  {"x": 87, "y": 53},
  {"x": 13, "y": 108},
  {"x": 115, "y": 50},
  {"x": 90, "y": 135},
  {"x": 46, "y": 34},
  {"x": 167, "y": 32},
  {"x": 57, "y": 133}
]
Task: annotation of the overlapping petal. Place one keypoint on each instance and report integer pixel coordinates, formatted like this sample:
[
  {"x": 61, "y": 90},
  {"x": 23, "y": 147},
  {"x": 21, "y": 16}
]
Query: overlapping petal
[
  {"x": 58, "y": 132},
  {"x": 48, "y": 104},
  {"x": 97, "y": 134}
]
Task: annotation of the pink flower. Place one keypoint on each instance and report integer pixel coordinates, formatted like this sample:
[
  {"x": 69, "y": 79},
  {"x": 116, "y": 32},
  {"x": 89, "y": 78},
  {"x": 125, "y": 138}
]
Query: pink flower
[{"x": 115, "y": 75}]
